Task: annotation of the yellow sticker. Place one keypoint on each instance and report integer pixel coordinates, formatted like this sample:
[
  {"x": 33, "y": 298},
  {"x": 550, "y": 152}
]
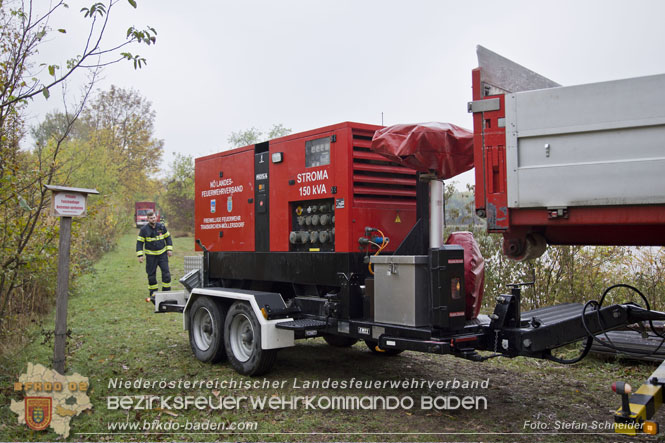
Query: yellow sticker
[{"x": 299, "y": 210}]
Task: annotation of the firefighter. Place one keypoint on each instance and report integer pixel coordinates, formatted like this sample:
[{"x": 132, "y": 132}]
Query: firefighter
[{"x": 155, "y": 242}]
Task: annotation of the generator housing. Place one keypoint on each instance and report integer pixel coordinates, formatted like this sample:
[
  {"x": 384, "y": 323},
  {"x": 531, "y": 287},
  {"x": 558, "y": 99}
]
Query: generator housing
[
  {"x": 315, "y": 191},
  {"x": 306, "y": 215}
]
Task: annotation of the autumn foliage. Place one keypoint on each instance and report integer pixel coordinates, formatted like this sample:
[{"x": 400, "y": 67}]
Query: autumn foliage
[{"x": 100, "y": 140}]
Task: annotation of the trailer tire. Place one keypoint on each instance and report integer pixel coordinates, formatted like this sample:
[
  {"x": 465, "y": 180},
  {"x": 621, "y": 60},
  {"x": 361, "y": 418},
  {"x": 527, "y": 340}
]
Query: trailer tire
[
  {"x": 242, "y": 340},
  {"x": 206, "y": 323},
  {"x": 374, "y": 347}
]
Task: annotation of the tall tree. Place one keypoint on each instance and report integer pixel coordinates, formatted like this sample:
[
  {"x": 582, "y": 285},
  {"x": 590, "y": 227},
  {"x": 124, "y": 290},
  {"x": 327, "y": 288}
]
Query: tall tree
[
  {"x": 123, "y": 121},
  {"x": 111, "y": 148},
  {"x": 179, "y": 196},
  {"x": 252, "y": 135}
]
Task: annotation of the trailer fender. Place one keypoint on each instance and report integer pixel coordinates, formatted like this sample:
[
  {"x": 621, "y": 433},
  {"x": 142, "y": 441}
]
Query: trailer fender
[{"x": 271, "y": 337}]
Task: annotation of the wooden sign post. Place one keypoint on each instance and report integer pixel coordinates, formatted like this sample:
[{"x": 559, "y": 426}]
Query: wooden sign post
[{"x": 65, "y": 203}]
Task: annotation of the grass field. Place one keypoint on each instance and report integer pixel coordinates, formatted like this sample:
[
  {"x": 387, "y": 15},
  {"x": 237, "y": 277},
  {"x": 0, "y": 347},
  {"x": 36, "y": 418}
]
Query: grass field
[{"x": 115, "y": 336}]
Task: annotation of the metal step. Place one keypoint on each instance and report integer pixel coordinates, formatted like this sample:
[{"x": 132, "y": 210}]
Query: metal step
[
  {"x": 302, "y": 324},
  {"x": 481, "y": 320}
]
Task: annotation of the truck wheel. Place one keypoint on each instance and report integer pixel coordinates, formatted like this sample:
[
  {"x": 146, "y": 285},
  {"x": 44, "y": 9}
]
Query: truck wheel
[
  {"x": 339, "y": 341},
  {"x": 374, "y": 347},
  {"x": 206, "y": 320},
  {"x": 242, "y": 339}
]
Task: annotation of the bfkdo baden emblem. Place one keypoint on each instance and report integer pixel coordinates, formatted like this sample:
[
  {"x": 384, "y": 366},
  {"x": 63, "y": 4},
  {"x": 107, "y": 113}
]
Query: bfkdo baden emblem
[{"x": 38, "y": 412}]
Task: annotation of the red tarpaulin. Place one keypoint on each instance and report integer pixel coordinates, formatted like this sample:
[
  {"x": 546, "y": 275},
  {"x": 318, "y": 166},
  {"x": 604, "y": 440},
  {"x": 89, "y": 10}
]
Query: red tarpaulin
[{"x": 441, "y": 148}]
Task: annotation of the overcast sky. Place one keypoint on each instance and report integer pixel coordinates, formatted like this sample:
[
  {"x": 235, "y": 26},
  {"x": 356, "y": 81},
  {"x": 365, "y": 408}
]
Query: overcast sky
[{"x": 223, "y": 66}]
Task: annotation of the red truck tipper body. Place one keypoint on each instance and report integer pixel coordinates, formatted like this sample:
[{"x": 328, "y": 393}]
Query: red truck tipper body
[
  {"x": 141, "y": 212},
  {"x": 577, "y": 165}
]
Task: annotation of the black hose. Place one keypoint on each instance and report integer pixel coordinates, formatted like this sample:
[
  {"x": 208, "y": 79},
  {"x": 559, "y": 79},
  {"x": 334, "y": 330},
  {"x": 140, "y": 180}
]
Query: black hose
[
  {"x": 587, "y": 346},
  {"x": 609, "y": 344},
  {"x": 584, "y": 353}
]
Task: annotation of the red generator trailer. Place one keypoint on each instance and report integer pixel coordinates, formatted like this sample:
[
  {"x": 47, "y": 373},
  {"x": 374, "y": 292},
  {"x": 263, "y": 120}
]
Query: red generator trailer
[
  {"x": 293, "y": 231},
  {"x": 338, "y": 232}
]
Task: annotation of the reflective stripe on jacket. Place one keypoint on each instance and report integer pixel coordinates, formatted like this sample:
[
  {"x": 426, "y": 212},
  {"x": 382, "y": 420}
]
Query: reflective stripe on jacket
[{"x": 153, "y": 241}]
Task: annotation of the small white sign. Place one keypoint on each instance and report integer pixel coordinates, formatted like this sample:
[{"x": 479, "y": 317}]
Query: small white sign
[{"x": 68, "y": 204}]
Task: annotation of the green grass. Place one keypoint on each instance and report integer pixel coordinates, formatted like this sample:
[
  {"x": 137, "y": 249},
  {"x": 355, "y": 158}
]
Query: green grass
[{"x": 115, "y": 334}]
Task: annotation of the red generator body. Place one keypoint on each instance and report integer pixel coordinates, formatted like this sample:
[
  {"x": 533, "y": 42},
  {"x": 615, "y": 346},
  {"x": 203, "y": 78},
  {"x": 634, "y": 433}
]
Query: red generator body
[{"x": 314, "y": 191}]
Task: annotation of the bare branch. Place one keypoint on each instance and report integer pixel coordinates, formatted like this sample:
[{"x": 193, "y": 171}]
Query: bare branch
[
  {"x": 46, "y": 16},
  {"x": 114, "y": 49},
  {"x": 88, "y": 52},
  {"x": 102, "y": 65}
]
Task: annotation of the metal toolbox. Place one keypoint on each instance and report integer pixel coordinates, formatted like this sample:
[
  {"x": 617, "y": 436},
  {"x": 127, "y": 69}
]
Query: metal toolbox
[{"x": 401, "y": 290}]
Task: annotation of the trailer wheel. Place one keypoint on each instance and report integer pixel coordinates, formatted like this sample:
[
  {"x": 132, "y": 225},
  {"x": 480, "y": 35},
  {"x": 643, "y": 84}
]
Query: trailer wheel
[
  {"x": 339, "y": 341},
  {"x": 242, "y": 339},
  {"x": 374, "y": 347},
  {"x": 206, "y": 320}
]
